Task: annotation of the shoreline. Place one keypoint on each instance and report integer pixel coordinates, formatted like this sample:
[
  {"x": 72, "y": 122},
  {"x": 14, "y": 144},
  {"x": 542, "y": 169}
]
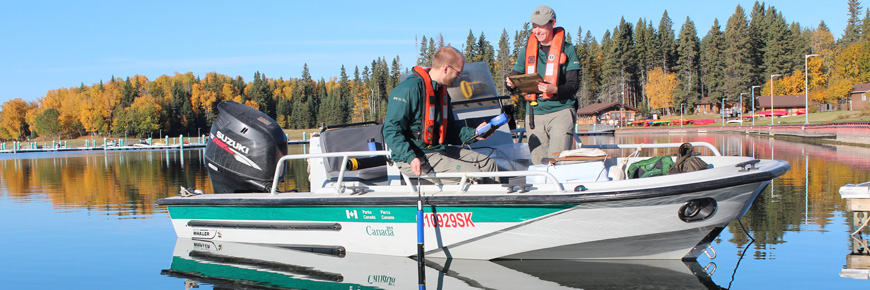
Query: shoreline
[{"x": 850, "y": 133}]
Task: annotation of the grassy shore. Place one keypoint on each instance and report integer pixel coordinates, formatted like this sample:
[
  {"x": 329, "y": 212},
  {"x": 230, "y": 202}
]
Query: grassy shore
[{"x": 814, "y": 118}]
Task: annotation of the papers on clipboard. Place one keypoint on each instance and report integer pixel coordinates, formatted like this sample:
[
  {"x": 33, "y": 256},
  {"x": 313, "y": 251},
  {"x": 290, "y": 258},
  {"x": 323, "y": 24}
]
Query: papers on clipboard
[{"x": 527, "y": 83}]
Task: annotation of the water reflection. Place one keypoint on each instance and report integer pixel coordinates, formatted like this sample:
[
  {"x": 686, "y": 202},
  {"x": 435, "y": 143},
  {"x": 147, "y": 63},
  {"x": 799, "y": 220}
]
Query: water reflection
[
  {"x": 120, "y": 183},
  {"x": 234, "y": 265}
]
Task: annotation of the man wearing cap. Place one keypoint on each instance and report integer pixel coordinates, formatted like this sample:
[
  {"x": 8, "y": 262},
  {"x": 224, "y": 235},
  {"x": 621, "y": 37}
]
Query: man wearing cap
[
  {"x": 549, "y": 55},
  {"x": 419, "y": 124}
]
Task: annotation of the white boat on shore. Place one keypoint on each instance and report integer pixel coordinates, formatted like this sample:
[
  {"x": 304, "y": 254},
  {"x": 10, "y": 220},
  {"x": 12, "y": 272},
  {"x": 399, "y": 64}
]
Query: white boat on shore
[{"x": 566, "y": 210}]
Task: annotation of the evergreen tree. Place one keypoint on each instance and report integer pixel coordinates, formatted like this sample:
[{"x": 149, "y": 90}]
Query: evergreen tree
[
  {"x": 261, "y": 93},
  {"x": 503, "y": 63},
  {"x": 431, "y": 51},
  {"x": 343, "y": 83},
  {"x": 865, "y": 26},
  {"x": 713, "y": 62},
  {"x": 180, "y": 110},
  {"x": 738, "y": 49},
  {"x": 626, "y": 60},
  {"x": 521, "y": 38},
  {"x": 758, "y": 35},
  {"x": 395, "y": 73},
  {"x": 423, "y": 58},
  {"x": 688, "y": 57},
  {"x": 128, "y": 93},
  {"x": 852, "y": 32},
  {"x": 469, "y": 51},
  {"x": 666, "y": 42},
  {"x": 485, "y": 52},
  {"x": 646, "y": 52},
  {"x": 590, "y": 79},
  {"x": 778, "y": 56}
]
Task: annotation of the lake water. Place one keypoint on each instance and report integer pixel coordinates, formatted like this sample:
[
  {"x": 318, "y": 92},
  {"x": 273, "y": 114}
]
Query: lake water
[{"x": 89, "y": 220}]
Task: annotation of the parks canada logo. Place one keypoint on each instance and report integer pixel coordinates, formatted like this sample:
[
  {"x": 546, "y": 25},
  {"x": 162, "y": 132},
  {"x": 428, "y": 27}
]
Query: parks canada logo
[{"x": 384, "y": 232}]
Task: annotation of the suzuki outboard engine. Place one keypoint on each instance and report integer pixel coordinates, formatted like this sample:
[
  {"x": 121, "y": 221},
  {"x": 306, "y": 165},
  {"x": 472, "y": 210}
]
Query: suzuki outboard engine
[{"x": 243, "y": 149}]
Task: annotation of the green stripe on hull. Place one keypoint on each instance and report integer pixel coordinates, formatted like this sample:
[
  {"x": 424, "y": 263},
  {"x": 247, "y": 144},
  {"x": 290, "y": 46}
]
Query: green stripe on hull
[
  {"x": 261, "y": 278},
  {"x": 376, "y": 214}
]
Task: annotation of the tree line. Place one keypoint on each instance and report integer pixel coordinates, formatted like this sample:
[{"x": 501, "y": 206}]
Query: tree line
[{"x": 648, "y": 66}]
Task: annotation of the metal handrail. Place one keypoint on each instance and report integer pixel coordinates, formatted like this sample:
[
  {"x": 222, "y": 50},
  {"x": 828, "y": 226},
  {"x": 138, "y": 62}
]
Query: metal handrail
[
  {"x": 465, "y": 175},
  {"x": 653, "y": 145},
  {"x": 344, "y": 155}
]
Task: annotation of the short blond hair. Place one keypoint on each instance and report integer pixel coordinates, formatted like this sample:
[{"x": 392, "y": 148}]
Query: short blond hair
[{"x": 447, "y": 55}]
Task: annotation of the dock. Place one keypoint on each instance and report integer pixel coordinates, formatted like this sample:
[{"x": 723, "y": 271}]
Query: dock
[
  {"x": 858, "y": 201},
  {"x": 32, "y": 147}
]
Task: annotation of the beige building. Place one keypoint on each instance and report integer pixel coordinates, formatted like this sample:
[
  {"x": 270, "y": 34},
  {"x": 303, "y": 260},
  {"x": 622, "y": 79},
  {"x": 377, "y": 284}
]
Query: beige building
[{"x": 605, "y": 113}]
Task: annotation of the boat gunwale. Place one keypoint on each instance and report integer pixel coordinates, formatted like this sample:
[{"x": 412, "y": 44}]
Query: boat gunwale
[{"x": 777, "y": 168}]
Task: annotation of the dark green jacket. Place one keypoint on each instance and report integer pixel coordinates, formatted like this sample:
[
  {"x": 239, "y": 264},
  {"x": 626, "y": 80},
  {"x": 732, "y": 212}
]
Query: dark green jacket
[
  {"x": 405, "y": 118},
  {"x": 564, "y": 100}
]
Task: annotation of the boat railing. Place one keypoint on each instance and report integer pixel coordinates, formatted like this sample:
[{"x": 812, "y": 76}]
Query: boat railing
[
  {"x": 464, "y": 176},
  {"x": 653, "y": 145},
  {"x": 344, "y": 157},
  {"x": 464, "y": 181}
]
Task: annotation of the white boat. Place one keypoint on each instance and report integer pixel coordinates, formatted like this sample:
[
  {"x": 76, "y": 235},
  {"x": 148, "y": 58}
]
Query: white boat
[
  {"x": 571, "y": 210},
  {"x": 251, "y": 266}
]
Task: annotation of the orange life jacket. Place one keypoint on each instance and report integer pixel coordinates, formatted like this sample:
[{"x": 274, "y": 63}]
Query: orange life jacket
[
  {"x": 433, "y": 105},
  {"x": 551, "y": 73}
]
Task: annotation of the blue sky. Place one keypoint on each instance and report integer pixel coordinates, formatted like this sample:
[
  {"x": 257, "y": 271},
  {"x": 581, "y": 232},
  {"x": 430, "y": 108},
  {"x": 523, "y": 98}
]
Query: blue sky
[{"x": 47, "y": 45}]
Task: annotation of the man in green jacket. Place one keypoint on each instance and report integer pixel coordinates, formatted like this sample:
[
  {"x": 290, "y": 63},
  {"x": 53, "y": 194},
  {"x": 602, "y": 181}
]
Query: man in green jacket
[
  {"x": 548, "y": 54},
  {"x": 421, "y": 101}
]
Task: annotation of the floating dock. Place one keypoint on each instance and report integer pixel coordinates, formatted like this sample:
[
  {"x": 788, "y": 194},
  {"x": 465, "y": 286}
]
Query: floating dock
[{"x": 858, "y": 201}]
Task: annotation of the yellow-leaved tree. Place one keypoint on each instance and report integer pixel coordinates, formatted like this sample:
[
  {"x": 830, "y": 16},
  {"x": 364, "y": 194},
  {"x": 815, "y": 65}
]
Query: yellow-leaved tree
[
  {"x": 660, "y": 88},
  {"x": 12, "y": 119}
]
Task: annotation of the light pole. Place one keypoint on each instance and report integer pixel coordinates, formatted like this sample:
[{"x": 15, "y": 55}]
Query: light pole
[
  {"x": 681, "y": 115},
  {"x": 722, "y": 111},
  {"x": 806, "y": 87},
  {"x": 753, "y": 103},
  {"x": 741, "y": 108},
  {"x": 771, "y": 96}
]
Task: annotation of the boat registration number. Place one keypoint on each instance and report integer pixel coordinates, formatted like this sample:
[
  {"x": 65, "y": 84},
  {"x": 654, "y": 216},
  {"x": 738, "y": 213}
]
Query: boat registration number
[{"x": 449, "y": 220}]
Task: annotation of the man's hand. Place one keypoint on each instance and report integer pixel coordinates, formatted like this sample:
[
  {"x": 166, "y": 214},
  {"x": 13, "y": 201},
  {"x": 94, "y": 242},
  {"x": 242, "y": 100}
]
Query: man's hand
[
  {"x": 548, "y": 88},
  {"x": 416, "y": 167},
  {"x": 509, "y": 82},
  {"x": 478, "y": 128}
]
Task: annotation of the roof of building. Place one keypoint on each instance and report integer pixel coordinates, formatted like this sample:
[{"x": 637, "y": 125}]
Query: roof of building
[
  {"x": 861, "y": 88},
  {"x": 703, "y": 101},
  {"x": 600, "y": 107},
  {"x": 786, "y": 101}
]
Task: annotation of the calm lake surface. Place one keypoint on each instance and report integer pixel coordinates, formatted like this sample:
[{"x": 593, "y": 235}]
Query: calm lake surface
[{"x": 89, "y": 220}]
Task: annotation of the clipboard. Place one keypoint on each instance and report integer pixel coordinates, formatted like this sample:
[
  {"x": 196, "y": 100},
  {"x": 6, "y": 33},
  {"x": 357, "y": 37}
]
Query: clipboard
[{"x": 527, "y": 83}]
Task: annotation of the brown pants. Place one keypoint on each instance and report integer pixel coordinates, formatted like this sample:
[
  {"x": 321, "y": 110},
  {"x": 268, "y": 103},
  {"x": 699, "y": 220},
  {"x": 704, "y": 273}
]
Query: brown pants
[
  {"x": 553, "y": 133},
  {"x": 452, "y": 159}
]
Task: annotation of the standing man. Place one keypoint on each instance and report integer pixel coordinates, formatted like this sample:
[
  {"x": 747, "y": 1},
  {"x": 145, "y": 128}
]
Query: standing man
[
  {"x": 548, "y": 55},
  {"x": 419, "y": 125}
]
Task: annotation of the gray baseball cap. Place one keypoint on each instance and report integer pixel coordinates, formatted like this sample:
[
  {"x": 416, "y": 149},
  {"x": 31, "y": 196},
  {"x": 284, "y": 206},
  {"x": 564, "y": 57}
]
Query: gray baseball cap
[{"x": 543, "y": 14}]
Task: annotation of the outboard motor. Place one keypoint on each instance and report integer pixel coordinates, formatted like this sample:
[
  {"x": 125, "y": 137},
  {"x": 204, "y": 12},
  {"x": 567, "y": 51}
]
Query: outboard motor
[{"x": 243, "y": 149}]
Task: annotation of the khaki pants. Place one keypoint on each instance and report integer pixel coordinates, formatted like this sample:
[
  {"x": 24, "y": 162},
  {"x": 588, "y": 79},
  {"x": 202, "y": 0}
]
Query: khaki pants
[
  {"x": 452, "y": 159},
  {"x": 553, "y": 133}
]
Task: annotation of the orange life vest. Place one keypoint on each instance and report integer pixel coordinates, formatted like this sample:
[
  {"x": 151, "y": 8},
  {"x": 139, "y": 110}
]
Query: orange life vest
[
  {"x": 433, "y": 106},
  {"x": 551, "y": 72}
]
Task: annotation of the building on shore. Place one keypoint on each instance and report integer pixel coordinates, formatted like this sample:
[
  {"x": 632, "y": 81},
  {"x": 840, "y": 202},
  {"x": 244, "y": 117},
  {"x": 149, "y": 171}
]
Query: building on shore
[
  {"x": 789, "y": 103},
  {"x": 606, "y": 113},
  {"x": 859, "y": 97}
]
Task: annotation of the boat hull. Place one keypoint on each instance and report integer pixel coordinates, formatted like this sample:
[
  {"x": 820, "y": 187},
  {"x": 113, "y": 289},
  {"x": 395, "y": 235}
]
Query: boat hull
[{"x": 619, "y": 228}]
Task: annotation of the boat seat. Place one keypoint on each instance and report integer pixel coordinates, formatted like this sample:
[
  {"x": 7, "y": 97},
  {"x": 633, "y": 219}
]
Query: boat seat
[{"x": 352, "y": 139}]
